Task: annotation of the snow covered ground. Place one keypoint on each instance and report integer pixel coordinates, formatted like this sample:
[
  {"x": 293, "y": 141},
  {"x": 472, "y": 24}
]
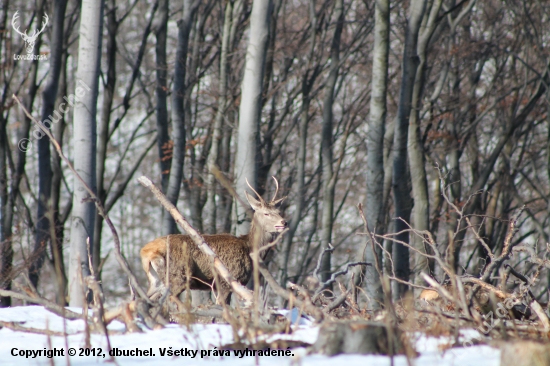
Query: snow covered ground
[{"x": 433, "y": 351}]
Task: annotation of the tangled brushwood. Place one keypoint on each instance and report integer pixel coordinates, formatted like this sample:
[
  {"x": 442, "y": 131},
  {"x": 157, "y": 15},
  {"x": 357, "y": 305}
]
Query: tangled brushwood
[{"x": 501, "y": 303}]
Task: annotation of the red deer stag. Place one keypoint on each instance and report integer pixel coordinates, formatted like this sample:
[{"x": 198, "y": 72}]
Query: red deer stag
[{"x": 186, "y": 259}]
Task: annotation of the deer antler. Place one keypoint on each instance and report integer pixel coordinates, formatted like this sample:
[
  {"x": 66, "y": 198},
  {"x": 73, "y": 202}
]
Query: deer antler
[
  {"x": 15, "y": 26},
  {"x": 253, "y": 190},
  {"x": 276, "y": 188}
]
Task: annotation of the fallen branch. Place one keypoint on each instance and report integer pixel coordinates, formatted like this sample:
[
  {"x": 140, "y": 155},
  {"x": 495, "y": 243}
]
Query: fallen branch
[
  {"x": 486, "y": 286},
  {"x": 48, "y": 305},
  {"x": 15, "y": 326},
  {"x": 142, "y": 308}
]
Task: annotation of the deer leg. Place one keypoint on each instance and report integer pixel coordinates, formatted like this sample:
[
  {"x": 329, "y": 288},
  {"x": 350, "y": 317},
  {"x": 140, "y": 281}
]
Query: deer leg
[
  {"x": 224, "y": 293},
  {"x": 178, "y": 283},
  {"x": 155, "y": 273}
]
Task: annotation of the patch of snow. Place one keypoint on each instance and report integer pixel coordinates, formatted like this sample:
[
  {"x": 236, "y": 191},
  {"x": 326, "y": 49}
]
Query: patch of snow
[{"x": 433, "y": 351}]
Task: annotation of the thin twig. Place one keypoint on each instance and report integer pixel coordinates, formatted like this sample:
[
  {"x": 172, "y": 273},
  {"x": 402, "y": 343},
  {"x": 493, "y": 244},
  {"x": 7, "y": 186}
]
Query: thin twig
[
  {"x": 274, "y": 243},
  {"x": 506, "y": 249}
]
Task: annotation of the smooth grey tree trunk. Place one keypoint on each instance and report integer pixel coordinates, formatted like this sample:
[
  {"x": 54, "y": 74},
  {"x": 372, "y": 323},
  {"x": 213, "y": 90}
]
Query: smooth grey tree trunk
[
  {"x": 42, "y": 234},
  {"x": 84, "y": 139},
  {"x": 247, "y": 157},
  {"x": 178, "y": 112},
  {"x": 327, "y": 140},
  {"x": 375, "y": 149},
  {"x": 401, "y": 194}
]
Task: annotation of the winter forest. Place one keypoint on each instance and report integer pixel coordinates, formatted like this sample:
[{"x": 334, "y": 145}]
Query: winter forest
[{"x": 411, "y": 140}]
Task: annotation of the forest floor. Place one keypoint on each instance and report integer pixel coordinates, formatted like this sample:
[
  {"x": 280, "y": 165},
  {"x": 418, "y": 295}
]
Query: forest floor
[{"x": 196, "y": 340}]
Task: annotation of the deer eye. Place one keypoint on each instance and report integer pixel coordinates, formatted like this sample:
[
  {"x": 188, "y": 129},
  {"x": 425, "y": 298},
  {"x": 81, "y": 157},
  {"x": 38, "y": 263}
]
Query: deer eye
[{"x": 266, "y": 214}]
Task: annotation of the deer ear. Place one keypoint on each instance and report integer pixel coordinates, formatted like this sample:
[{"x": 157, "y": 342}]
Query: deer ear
[{"x": 254, "y": 203}]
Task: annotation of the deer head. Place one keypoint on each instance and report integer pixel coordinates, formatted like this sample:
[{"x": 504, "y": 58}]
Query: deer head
[
  {"x": 29, "y": 40},
  {"x": 266, "y": 214}
]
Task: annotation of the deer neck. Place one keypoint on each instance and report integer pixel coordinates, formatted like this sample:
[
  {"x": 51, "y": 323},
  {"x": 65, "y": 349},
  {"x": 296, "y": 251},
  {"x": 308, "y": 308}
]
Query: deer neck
[{"x": 257, "y": 236}]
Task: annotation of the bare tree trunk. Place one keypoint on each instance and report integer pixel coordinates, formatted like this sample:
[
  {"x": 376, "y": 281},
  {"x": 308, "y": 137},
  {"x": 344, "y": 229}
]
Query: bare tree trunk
[
  {"x": 225, "y": 160},
  {"x": 59, "y": 218},
  {"x": 84, "y": 120},
  {"x": 401, "y": 193},
  {"x": 375, "y": 148},
  {"x": 178, "y": 112},
  {"x": 250, "y": 111},
  {"x": 105, "y": 131},
  {"x": 29, "y": 98},
  {"x": 103, "y": 134},
  {"x": 6, "y": 204},
  {"x": 163, "y": 139},
  {"x": 266, "y": 144},
  {"x": 456, "y": 146},
  {"x": 44, "y": 163},
  {"x": 6, "y": 249},
  {"x": 195, "y": 194},
  {"x": 220, "y": 114},
  {"x": 421, "y": 210},
  {"x": 328, "y": 176},
  {"x": 307, "y": 84}
]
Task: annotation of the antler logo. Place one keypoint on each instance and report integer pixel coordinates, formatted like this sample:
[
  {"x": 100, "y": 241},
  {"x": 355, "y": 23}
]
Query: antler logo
[{"x": 29, "y": 40}]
